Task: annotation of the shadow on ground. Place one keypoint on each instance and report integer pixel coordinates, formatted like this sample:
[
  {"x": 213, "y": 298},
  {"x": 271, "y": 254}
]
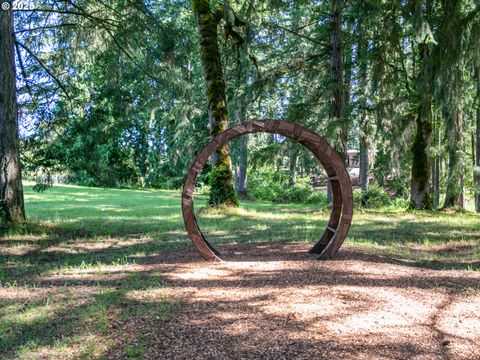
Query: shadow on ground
[
  {"x": 274, "y": 301},
  {"x": 116, "y": 277}
]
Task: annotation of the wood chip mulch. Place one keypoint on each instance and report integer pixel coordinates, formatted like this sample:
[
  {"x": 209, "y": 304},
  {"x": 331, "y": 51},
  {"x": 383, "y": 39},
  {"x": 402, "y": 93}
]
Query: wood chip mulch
[{"x": 275, "y": 301}]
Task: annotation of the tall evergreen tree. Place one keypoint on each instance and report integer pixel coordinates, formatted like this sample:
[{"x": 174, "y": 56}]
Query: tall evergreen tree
[
  {"x": 11, "y": 191},
  {"x": 221, "y": 178},
  {"x": 364, "y": 126},
  {"x": 337, "y": 109},
  {"x": 420, "y": 197},
  {"x": 449, "y": 54}
]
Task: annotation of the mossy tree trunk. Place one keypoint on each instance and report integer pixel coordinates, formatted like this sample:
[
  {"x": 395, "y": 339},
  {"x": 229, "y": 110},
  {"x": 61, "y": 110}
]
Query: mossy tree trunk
[
  {"x": 454, "y": 194},
  {"x": 221, "y": 177},
  {"x": 347, "y": 85},
  {"x": 421, "y": 198},
  {"x": 436, "y": 166},
  {"x": 337, "y": 106},
  {"x": 364, "y": 120},
  {"x": 477, "y": 142},
  {"x": 11, "y": 192},
  {"x": 449, "y": 55}
]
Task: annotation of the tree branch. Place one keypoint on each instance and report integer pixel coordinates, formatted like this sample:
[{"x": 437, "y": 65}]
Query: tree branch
[
  {"x": 472, "y": 14},
  {"x": 122, "y": 49},
  {"x": 50, "y": 73},
  {"x": 296, "y": 33},
  {"x": 90, "y": 16},
  {"x": 22, "y": 69},
  {"x": 45, "y": 27}
]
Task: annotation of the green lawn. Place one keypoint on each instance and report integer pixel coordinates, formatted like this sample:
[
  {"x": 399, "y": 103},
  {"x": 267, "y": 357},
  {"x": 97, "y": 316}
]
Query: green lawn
[{"x": 71, "y": 281}]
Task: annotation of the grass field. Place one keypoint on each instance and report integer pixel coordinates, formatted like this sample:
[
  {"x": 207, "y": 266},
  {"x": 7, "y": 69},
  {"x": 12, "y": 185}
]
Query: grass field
[{"x": 72, "y": 281}]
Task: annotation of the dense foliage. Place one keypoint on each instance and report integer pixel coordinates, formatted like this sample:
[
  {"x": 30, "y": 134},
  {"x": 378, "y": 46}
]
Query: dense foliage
[{"x": 114, "y": 94}]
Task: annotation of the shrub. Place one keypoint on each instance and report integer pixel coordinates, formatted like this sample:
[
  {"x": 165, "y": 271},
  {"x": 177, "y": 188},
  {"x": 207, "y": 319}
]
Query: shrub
[
  {"x": 40, "y": 187},
  {"x": 43, "y": 183},
  {"x": 357, "y": 197},
  {"x": 400, "y": 185},
  {"x": 267, "y": 184},
  {"x": 400, "y": 202},
  {"x": 375, "y": 196},
  {"x": 270, "y": 185}
]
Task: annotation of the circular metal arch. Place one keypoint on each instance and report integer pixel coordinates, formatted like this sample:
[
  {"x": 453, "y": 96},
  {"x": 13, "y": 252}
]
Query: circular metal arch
[{"x": 342, "y": 202}]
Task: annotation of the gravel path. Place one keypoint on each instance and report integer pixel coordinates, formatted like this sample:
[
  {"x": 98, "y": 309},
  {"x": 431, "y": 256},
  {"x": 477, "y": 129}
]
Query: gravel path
[{"x": 277, "y": 302}]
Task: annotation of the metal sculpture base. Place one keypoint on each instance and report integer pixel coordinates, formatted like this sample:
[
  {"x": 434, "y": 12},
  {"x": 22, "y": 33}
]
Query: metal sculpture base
[{"x": 342, "y": 197}]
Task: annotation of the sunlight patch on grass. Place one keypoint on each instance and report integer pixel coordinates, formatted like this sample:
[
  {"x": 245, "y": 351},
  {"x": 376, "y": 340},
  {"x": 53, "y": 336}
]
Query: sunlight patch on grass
[{"x": 69, "y": 323}]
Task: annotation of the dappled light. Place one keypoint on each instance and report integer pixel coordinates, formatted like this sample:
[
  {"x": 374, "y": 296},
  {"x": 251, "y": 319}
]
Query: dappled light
[
  {"x": 271, "y": 300},
  {"x": 85, "y": 278}
]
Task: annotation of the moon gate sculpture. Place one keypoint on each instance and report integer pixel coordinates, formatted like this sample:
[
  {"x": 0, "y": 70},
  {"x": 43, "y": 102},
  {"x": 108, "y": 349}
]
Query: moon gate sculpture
[{"x": 342, "y": 204}]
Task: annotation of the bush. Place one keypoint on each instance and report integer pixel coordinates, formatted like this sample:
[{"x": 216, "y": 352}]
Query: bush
[
  {"x": 400, "y": 185},
  {"x": 267, "y": 184},
  {"x": 400, "y": 203},
  {"x": 43, "y": 183},
  {"x": 270, "y": 185},
  {"x": 375, "y": 196},
  {"x": 302, "y": 192},
  {"x": 40, "y": 187},
  {"x": 357, "y": 198}
]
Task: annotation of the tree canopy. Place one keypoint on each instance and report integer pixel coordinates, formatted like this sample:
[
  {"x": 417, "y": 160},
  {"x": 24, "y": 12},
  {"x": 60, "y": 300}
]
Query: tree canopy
[{"x": 127, "y": 92}]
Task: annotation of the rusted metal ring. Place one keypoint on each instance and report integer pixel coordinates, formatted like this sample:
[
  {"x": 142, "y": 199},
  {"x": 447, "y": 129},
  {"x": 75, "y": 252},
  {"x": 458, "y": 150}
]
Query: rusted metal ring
[{"x": 342, "y": 196}]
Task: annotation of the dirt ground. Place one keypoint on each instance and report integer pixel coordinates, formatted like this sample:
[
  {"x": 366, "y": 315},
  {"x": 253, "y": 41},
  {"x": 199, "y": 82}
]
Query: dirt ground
[{"x": 277, "y": 302}]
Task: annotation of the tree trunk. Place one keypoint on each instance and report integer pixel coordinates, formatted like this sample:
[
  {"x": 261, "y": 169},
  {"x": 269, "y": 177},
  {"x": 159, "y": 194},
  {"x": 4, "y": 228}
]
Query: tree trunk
[
  {"x": 329, "y": 191},
  {"x": 241, "y": 180},
  {"x": 436, "y": 168},
  {"x": 143, "y": 155},
  {"x": 454, "y": 194},
  {"x": 477, "y": 141},
  {"x": 221, "y": 177},
  {"x": 337, "y": 106},
  {"x": 11, "y": 191},
  {"x": 420, "y": 196},
  {"x": 364, "y": 163},
  {"x": 242, "y": 166},
  {"x": 347, "y": 84},
  {"x": 449, "y": 55},
  {"x": 364, "y": 126},
  {"x": 436, "y": 184},
  {"x": 293, "y": 165},
  {"x": 420, "y": 187}
]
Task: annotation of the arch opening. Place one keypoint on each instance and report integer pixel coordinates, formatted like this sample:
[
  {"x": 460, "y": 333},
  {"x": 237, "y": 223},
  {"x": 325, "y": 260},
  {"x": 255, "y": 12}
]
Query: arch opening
[{"x": 342, "y": 196}]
